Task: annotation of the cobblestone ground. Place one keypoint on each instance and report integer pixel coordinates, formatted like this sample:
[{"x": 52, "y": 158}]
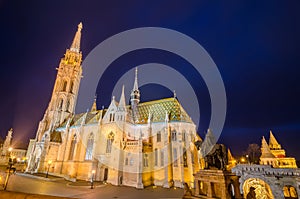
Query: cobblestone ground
[{"x": 61, "y": 187}]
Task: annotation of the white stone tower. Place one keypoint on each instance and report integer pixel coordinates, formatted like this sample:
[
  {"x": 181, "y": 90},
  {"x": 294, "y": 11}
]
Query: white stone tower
[
  {"x": 65, "y": 91},
  {"x": 62, "y": 104}
]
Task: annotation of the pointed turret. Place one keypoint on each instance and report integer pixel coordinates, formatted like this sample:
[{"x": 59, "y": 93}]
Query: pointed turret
[
  {"x": 94, "y": 106},
  {"x": 122, "y": 102},
  {"x": 135, "y": 93},
  {"x": 135, "y": 98},
  {"x": 265, "y": 150},
  {"x": 75, "y": 47},
  {"x": 231, "y": 160},
  {"x": 273, "y": 144}
]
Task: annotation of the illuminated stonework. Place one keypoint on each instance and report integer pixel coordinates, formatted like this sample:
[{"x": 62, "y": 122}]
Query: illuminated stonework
[
  {"x": 274, "y": 155},
  {"x": 140, "y": 144}
]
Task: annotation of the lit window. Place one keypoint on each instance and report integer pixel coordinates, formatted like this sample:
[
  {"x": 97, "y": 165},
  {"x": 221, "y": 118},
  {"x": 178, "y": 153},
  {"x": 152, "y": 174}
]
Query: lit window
[
  {"x": 156, "y": 157},
  {"x": 131, "y": 161},
  {"x": 175, "y": 157},
  {"x": 162, "y": 157},
  {"x": 72, "y": 147},
  {"x": 71, "y": 87},
  {"x": 174, "y": 136},
  {"x": 158, "y": 136},
  {"x": 145, "y": 160},
  {"x": 110, "y": 140},
  {"x": 65, "y": 86},
  {"x": 89, "y": 147}
]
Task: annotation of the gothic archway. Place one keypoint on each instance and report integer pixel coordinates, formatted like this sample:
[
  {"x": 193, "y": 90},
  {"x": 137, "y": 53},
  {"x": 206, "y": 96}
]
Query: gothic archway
[{"x": 261, "y": 188}]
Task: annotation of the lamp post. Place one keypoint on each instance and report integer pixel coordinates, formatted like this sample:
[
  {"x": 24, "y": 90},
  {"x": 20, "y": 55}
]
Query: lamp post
[
  {"x": 49, "y": 164},
  {"x": 11, "y": 162},
  {"x": 247, "y": 156},
  {"x": 92, "y": 180}
]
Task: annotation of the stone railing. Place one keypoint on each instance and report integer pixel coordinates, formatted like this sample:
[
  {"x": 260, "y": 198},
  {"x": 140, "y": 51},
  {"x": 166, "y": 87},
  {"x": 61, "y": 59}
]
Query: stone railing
[{"x": 240, "y": 169}]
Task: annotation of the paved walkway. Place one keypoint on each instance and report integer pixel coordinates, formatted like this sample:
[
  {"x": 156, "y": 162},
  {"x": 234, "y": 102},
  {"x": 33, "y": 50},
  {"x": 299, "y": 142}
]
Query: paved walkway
[{"x": 61, "y": 187}]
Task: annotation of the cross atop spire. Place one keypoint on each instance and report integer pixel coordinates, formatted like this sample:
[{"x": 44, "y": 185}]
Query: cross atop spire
[{"x": 75, "y": 47}]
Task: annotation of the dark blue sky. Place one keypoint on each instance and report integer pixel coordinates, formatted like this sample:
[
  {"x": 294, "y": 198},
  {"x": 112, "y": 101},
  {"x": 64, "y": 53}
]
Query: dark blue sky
[{"x": 255, "y": 46}]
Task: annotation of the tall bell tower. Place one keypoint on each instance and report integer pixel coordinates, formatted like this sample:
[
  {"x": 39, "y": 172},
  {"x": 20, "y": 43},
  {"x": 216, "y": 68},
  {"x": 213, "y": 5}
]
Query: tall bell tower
[{"x": 65, "y": 91}]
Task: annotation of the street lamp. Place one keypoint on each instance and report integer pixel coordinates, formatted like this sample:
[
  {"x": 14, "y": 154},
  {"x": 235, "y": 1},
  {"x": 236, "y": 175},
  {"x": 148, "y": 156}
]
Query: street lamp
[
  {"x": 49, "y": 164},
  {"x": 92, "y": 180},
  {"x": 243, "y": 160},
  {"x": 11, "y": 162},
  {"x": 247, "y": 156}
]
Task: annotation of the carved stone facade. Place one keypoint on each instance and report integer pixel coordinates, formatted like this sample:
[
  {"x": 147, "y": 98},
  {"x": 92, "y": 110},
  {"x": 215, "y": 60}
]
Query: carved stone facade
[
  {"x": 278, "y": 183},
  {"x": 273, "y": 154},
  {"x": 136, "y": 145}
]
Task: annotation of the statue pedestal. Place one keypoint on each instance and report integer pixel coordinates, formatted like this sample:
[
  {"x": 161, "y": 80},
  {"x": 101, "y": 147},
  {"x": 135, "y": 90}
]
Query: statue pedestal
[{"x": 216, "y": 184}]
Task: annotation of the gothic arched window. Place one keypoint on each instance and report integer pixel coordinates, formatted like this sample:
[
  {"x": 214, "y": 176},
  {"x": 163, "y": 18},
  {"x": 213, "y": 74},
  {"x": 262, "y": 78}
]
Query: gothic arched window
[
  {"x": 109, "y": 142},
  {"x": 71, "y": 87},
  {"x": 65, "y": 86},
  {"x": 72, "y": 147},
  {"x": 183, "y": 136},
  {"x": 158, "y": 136},
  {"x": 185, "y": 164},
  {"x": 61, "y": 102},
  {"x": 174, "y": 135},
  {"x": 68, "y": 105},
  {"x": 156, "y": 157},
  {"x": 89, "y": 147}
]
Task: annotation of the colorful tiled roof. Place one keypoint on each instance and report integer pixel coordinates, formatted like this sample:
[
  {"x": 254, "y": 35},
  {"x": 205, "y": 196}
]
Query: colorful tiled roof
[{"x": 156, "y": 108}]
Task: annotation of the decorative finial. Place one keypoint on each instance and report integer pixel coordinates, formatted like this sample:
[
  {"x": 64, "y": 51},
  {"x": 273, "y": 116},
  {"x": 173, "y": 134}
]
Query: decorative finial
[
  {"x": 75, "y": 47},
  {"x": 80, "y": 26},
  {"x": 174, "y": 93}
]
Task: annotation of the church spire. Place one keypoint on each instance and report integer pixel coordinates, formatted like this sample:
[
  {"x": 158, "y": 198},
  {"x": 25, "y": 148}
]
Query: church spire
[
  {"x": 135, "y": 93},
  {"x": 135, "y": 86},
  {"x": 135, "y": 98},
  {"x": 75, "y": 47}
]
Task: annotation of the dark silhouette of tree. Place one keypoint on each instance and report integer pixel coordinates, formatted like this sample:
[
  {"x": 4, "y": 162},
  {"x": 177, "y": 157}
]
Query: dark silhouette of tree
[{"x": 253, "y": 152}]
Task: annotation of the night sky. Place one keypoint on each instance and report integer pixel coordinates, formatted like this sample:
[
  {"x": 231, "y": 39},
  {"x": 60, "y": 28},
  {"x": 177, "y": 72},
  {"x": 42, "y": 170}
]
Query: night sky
[{"x": 255, "y": 46}]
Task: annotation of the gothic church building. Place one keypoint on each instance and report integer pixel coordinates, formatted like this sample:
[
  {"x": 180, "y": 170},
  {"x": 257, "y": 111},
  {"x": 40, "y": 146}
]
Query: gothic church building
[{"x": 140, "y": 144}]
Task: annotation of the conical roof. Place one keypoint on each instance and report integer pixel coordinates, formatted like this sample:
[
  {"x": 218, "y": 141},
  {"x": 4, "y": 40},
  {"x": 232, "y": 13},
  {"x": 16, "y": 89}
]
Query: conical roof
[
  {"x": 273, "y": 144},
  {"x": 265, "y": 150}
]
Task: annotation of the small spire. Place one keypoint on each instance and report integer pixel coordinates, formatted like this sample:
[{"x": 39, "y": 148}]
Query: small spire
[
  {"x": 75, "y": 47},
  {"x": 174, "y": 93},
  {"x": 94, "y": 106},
  {"x": 135, "y": 86},
  {"x": 122, "y": 103}
]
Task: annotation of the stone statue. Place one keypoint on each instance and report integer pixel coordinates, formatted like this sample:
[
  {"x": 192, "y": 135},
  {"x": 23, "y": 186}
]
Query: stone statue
[
  {"x": 216, "y": 158},
  {"x": 251, "y": 194}
]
